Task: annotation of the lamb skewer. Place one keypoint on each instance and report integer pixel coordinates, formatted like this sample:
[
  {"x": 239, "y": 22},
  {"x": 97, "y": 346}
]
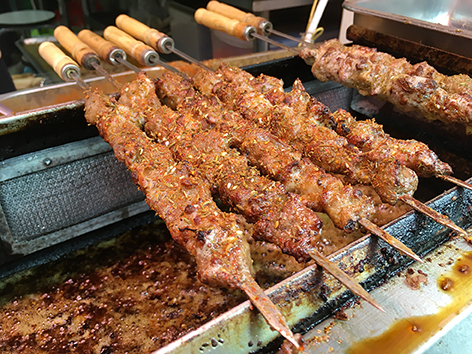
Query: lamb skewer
[
  {"x": 238, "y": 93},
  {"x": 217, "y": 240},
  {"x": 409, "y": 87},
  {"x": 279, "y": 218},
  {"x": 346, "y": 206},
  {"x": 183, "y": 201},
  {"x": 366, "y": 135}
]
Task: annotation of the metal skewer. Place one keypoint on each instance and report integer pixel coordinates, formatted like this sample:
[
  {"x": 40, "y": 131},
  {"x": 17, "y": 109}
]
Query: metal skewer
[
  {"x": 106, "y": 50},
  {"x": 456, "y": 181},
  {"x": 82, "y": 53},
  {"x": 263, "y": 26},
  {"x": 67, "y": 69},
  {"x": 144, "y": 54},
  {"x": 235, "y": 28},
  {"x": 158, "y": 40}
]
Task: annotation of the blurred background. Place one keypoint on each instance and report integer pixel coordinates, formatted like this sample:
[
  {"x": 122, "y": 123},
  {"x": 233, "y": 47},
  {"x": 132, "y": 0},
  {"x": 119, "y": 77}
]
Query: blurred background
[{"x": 25, "y": 23}]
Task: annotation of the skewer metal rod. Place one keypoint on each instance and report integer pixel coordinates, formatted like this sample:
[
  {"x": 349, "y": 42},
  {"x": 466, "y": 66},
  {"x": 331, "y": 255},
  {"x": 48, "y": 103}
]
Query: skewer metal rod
[
  {"x": 263, "y": 26},
  {"x": 76, "y": 77},
  {"x": 158, "y": 40},
  {"x": 271, "y": 41},
  {"x": 190, "y": 59},
  {"x": 287, "y": 36},
  {"x": 106, "y": 74},
  {"x": 439, "y": 218},
  {"x": 351, "y": 284},
  {"x": 156, "y": 61},
  {"x": 126, "y": 63}
]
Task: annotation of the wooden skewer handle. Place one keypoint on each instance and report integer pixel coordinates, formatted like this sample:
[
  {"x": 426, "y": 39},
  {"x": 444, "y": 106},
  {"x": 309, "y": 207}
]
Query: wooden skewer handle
[
  {"x": 222, "y": 23},
  {"x": 131, "y": 46},
  {"x": 80, "y": 51},
  {"x": 58, "y": 60},
  {"x": 259, "y": 23},
  {"x": 105, "y": 49},
  {"x": 158, "y": 40}
]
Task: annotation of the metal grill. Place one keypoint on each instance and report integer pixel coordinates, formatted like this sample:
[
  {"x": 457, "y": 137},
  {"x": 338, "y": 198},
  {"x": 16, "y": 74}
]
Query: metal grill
[{"x": 43, "y": 198}]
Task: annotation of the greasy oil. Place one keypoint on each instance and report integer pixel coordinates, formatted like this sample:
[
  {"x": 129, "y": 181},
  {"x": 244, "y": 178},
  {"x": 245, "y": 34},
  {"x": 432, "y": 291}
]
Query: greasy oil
[{"x": 407, "y": 334}]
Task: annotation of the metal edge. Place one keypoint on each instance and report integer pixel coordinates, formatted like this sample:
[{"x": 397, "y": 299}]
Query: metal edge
[
  {"x": 300, "y": 296},
  {"x": 352, "y": 6}
]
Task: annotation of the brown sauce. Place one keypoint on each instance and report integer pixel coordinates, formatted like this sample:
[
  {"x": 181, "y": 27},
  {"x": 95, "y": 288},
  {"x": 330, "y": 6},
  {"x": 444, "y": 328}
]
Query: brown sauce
[{"x": 407, "y": 334}]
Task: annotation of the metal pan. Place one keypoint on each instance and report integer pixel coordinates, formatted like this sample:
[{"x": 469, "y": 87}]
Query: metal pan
[
  {"x": 440, "y": 24},
  {"x": 308, "y": 297}
]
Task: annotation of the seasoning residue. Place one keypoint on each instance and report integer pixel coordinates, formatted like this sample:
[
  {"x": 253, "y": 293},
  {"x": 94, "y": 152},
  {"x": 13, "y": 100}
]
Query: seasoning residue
[{"x": 407, "y": 334}]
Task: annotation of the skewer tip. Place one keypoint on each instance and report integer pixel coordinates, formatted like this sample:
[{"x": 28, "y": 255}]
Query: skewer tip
[
  {"x": 270, "y": 312},
  {"x": 350, "y": 283},
  {"x": 456, "y": 181},
  {"x": 392, "y": 241}
]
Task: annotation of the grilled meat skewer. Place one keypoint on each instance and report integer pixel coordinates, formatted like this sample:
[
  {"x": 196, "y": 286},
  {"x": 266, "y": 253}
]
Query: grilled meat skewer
[
  {"x": 368, "y": 136},
  {"x": 395, "y": 80},
  {"x": 284, "y": 122},
  {"x": 346, "y": 206},
  {"x": 183, "y": 200},
  {"x": 280, "y": 218},
  {"x": 321, "y": 145},
  {"x": 273, "y": 157}
]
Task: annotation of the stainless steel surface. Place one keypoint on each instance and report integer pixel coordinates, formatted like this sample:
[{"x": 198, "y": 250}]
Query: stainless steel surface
[
  {"x": 404, "y": 303},
  {"x": 55, "y": 194},
  {"x": 441, "y": 24}
]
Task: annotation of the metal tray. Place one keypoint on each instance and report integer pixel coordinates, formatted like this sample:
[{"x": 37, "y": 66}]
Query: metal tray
[
  {"x": 308, "y": 297},
  {"x": 446, "y": 25}
]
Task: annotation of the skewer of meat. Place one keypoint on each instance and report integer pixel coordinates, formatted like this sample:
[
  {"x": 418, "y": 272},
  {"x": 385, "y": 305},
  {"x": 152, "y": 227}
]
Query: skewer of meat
[
  {"x": 239, "y": 93},
  {"x": 279, "y": 218},
  {"x": 320, "y": 144},
  {"x": 346, "y": 206},
  {"x": 183, "y": 200},
  {"x": 368, "y": 136},
  {"x": 409, "y": 87}
]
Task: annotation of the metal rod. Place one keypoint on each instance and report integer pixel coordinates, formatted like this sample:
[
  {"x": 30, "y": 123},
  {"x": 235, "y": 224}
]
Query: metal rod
[
  {"x": 126, "y": 63},
  {"x": 168, "y": 67},
  {"x": 392, "y": 241},
  {"x": 284, "y": 35},
  {"x": 457, "y": 181},
  {"x": 75, "y": 76},
  {"x": 439, "y": 218},
  {"x": 106, "y": 74},
  {"x": 271, "y": 41},
  {"x": 189, "y": 58}
]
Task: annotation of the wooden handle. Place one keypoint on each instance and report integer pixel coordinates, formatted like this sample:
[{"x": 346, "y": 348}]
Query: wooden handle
[
  {"x": 158, "y": 40},
  {"x": 58, "y": 60},
  {"x": 105, "y": 49},
  {"x": 229, "y": 11},
  {"x": 223, "y": 24},
  {"x": 80, "y": 51},
  {"x": 131, "y": 46}
]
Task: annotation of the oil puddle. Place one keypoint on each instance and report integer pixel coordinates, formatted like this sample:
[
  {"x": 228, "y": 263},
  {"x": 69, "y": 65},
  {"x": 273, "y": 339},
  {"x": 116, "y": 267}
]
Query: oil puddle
[{"x": 405, "y": 335}]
